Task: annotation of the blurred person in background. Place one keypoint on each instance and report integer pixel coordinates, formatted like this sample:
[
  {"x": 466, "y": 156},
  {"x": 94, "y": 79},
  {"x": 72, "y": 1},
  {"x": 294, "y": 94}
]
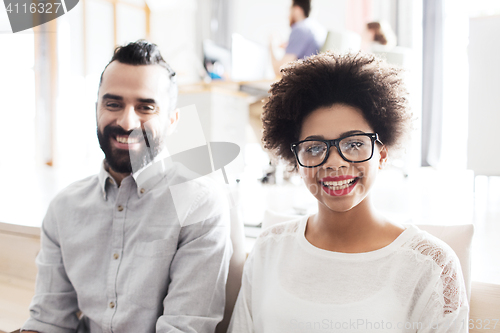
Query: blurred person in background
[
  {"x": 378, "y": 35},
  {"x": 306, "y": 38}
]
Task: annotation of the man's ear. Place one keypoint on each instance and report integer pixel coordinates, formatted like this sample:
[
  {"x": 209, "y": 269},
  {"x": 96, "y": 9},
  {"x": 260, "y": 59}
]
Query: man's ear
[
  {"x": 173, "y": 120},
  {"x": 384, "y": 155}
]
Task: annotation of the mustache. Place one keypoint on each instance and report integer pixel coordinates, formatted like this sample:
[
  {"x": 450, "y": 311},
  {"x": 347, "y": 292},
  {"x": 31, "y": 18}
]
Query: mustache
[
  {"x": 113, "y": 130},
  {"x": 140, "y": 132}
]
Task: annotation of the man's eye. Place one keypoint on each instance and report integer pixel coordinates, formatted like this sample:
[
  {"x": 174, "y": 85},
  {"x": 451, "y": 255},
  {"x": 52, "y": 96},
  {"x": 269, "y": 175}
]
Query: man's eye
[
  {"x": 147, "y": 108},
  {"x": 112, "y": 105}
]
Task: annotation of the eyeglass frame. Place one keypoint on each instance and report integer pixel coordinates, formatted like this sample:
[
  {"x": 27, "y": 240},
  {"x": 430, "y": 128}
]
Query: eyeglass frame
[{"x": 335, "y": 143}]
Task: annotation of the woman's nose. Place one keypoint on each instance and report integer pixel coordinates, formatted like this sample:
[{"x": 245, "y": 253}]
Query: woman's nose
[{"x": 334, "y": 160}]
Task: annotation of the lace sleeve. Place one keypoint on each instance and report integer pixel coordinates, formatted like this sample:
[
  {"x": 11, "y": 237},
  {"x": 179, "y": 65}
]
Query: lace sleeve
[
  {"x": 447, "y": 308},
  {"x": 451, "y": 287},
  {"x": 454, "y": 294}
]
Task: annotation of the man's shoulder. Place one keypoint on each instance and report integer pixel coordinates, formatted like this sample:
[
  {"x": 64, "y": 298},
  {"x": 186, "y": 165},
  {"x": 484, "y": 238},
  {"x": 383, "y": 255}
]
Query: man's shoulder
[
  {"x": 183, "y": 180},
  {"x": 300, "y": 29},
  {"x": 198, "y": 199},
  {"x": 77, "y": 190},
  {"x": 306, "y": 26},
  {"x": 311, "y": 29}
]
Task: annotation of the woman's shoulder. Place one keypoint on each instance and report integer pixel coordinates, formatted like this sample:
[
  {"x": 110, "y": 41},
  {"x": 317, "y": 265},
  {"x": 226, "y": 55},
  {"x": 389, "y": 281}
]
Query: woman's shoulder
[
  {"x": 450, "y": 291},
  {"x": 428, "y": 247},
  {"x": 282, "y": 230},
  {"x": 276, "y": 240}
]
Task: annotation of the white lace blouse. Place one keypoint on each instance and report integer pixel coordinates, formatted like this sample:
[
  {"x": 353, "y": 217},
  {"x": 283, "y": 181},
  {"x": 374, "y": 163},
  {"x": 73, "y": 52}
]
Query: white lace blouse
[{"x": 414, "y": 284}]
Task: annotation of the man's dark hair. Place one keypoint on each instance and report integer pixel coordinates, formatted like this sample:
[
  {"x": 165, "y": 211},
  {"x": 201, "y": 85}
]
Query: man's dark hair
[
  {"x": 143, "y": 52},
  {"x": 358, "y": 80},
  {"x": 304, "y": 4}
]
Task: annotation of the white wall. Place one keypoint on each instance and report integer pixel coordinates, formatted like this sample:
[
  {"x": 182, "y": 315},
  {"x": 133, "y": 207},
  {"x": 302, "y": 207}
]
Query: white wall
[
  {"x": 455, "y": 85},
  {"x": 483, "y": 152},
  {"x": 330, "y": 13},
  {"x": 174, "y": 30}
]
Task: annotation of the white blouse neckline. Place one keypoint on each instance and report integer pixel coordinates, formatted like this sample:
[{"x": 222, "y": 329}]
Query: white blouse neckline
[{"x": 407, "y": 234}]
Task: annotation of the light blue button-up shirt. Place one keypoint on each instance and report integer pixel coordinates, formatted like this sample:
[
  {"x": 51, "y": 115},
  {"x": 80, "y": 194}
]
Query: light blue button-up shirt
[
  {"x": 130, "y": 258},
  {"x": 306, "y": 38}
]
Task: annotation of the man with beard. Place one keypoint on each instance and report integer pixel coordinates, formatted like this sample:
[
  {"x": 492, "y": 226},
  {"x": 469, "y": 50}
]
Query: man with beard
[
  {"x": 116, "y": 256},
  {"x": 306, "y": 38}
]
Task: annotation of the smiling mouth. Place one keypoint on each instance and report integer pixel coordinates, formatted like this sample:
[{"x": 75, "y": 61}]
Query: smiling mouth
[
  {"x": 126, "y": 139},
  {"x": 340, "y": 185},
  {"x": 126, "y": 142}
]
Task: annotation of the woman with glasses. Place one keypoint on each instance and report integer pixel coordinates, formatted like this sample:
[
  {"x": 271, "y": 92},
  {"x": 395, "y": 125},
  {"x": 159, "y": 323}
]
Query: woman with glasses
[{"x": 336, "y": 119}]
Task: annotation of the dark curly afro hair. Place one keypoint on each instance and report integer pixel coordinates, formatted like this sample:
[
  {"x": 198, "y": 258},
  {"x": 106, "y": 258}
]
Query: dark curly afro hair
[{"x": 356, "y": 79}]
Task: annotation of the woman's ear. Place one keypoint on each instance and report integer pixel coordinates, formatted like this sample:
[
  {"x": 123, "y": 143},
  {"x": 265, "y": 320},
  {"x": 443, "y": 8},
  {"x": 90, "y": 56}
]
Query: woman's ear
[
  {"x": 384, "y": 154},
  {"x": 296, "y": 169}
]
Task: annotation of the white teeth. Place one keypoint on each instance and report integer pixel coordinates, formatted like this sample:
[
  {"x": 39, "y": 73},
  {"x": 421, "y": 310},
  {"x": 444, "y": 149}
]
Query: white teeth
[
  {"x": 340, "y": 185},
  {"x": 126, "y": 139}
]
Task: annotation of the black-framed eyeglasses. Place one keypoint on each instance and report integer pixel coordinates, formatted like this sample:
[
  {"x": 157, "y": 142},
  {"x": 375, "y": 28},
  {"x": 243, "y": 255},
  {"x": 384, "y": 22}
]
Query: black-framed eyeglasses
[{"x": 354, "y": 148}]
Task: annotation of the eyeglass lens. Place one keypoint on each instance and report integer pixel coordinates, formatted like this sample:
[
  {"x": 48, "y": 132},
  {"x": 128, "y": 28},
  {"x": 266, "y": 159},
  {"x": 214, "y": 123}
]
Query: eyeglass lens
[{"x": 354, "y": 148}]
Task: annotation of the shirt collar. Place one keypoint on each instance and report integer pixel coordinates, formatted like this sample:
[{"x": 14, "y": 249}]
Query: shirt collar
[
  {"x": 297, "y": 24},
  {"x": 145, "y": 178},
  {"x": 103, "y": 177}
]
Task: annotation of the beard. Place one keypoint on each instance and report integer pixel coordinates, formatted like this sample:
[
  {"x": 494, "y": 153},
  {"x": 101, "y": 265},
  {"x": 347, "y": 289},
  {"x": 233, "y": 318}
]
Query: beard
[{"x": 127, "y": 160}]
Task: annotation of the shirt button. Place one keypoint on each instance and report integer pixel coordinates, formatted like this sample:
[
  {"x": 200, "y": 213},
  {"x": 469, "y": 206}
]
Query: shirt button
[
  {"x": 120, "y": 208},
  {"x": 111, "y": 181},
  {"x": 112, "y": 305},
  {"x": 143, "y": 190},
  {"x": 116, "y": 256}
]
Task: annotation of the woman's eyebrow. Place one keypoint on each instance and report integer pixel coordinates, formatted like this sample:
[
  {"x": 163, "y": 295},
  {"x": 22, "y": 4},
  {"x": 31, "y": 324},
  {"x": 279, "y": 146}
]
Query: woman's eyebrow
[
  {"x": 315, "y": 137},
  {"x": 350, "y": 132},
  {"x": 321, "y": 137}
]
